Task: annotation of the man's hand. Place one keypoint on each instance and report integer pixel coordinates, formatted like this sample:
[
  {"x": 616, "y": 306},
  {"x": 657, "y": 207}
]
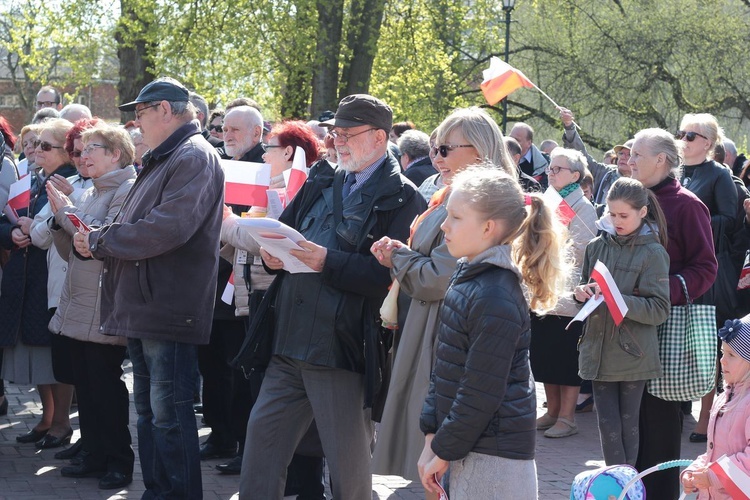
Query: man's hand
[
  {"x": 271, "y": 261},
  {"x": 312, "y": 255},
  {"x": 81, "y": 244},
  {"x": 566, "y": 116},
  {"x": 20, "y": 239}
]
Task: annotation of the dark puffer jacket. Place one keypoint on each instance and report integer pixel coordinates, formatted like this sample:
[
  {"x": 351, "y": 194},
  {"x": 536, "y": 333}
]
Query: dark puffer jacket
[{"x": 481, "y": 395}]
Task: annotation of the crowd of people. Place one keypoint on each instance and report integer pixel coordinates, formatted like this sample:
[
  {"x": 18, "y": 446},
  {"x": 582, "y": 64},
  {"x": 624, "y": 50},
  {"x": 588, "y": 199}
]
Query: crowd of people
[{"x": 443, "y": 274}]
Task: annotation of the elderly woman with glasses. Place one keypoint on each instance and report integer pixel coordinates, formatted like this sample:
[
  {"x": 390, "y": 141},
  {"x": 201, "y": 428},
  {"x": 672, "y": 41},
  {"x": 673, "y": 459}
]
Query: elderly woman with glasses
[
  {"x": 422, "y": 269},
  {"x": 24, "y": 308},
  {"x": 93, "y": 359},
  {"x": 554, "y": 352}
]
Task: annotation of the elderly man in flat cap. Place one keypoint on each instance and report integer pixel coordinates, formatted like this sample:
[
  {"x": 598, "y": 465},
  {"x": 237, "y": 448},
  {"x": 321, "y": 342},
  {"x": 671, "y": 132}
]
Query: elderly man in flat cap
[
  {"x": 326, "y": 321},
  {"x": 160, "y": 262}
]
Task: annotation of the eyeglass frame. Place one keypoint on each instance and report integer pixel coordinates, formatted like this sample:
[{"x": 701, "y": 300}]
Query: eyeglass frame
[
  {"x": 47, "y": 104},
  {"x": 345, "y": 137},
  {"x": 681, "y": 134},
  {"x": 139, "y": 112},
  {"x": 218, "y": 128},
  {"x": 91, "y": 147},
  {"x": 556, "y": 169},
  {"x": 444, "y": 149},
  {"x": 46, "y": 146}
]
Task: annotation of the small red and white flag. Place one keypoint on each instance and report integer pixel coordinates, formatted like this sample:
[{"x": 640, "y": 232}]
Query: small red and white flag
[
  {"x": 19, "y": 194},
  {"x": 297, "y": 174},
  {"x": 564, "y": 211},
  {"x": 500, "y": 79},
  {"x": 610, "y": 292},
  {"x": 246, "y": 183},
  {"x": 228, "y": 293},
  {"x": 732, "y": 478}
]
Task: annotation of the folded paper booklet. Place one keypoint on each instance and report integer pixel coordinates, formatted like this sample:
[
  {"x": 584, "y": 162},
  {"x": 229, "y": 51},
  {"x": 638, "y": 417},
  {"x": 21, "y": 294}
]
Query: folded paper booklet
[{"x": 277, "y": 239}]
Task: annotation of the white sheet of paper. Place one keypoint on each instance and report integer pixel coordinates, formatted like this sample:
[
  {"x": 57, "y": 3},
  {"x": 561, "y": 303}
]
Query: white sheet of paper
[
  {"x": 277, "y": 239},
  {"x": 587, "y": 309},
  {"x": 275, "y": 206}
]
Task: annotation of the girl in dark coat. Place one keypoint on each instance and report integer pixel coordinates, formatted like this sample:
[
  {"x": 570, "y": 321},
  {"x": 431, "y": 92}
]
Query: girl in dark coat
[{"x": 480, "y": 413}]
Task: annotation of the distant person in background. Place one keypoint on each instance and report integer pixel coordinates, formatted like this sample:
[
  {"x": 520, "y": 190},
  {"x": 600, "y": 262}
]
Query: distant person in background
[
  {"x": 48, "y": 97},
  {"x": 415, "y": 156},
  {"x": 74, "y": 112},
  {"x": 533, "y": 161},
  {"x": 610, "y": 157},
  {"x": 215, "y": 122},
  {"x": 44, "y": 114},
  {"x": 547, "y": 146},
  {"x": 398, "y": 129},
  {"x": 528, "y": 183}
]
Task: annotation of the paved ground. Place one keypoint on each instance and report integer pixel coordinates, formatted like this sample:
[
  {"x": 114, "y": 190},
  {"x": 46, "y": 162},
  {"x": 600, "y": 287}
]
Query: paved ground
[{"x": 28, "y": 474}]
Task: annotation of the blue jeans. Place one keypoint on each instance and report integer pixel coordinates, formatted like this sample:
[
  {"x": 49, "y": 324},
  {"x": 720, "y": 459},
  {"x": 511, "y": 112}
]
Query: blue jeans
[{"x": 163, "y": 386}]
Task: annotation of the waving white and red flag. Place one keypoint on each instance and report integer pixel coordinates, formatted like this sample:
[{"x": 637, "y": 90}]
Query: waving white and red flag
[
  {"x": 732, "y": 478},
  {"x": 612, "y": 296},
  {"x": 500, "y": 79},
  {"x": 246, "y": 182},
  {"x": 297, "y": 174},
  {"x": 19, "y": 194},
  {"x": 562, "y": 208}
]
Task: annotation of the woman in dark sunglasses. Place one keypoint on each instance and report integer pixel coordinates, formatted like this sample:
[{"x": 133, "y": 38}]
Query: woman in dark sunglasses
[
  {"x": 713, "y": 184},
  {"x": 25, "y": 309},
  {"x": 423, "y": 269}
]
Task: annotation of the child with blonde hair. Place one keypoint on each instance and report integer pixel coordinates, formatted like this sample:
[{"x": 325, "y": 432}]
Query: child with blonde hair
[
  {"x": 729, "y": 424},
  {"x": 479, "y": 416}
]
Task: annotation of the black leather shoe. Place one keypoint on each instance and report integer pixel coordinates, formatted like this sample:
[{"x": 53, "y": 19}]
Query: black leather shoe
[
  {"x": 78, "y": 459},
  {"x": 71, "y": 452},
  {"x": 210, "y": 450},
  {"x": 50, "y": 441},
  {"x": 32, "y": 436},
  {"x": 83, "y": 470},
  {"x": 115, "y": 481},
  {"x": 697, "y": 437},
  {"x": 232, "y": 468}
]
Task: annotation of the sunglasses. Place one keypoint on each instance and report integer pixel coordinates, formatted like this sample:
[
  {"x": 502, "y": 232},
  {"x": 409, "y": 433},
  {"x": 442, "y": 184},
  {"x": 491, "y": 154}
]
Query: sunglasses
[
  {"x": 688, "y": 136},
  {"x": 447, "y": 148},
  {"x": 217, "y": 128},
  {"x": 75, "y": 154},
  {"x": 45, "y": 146}
]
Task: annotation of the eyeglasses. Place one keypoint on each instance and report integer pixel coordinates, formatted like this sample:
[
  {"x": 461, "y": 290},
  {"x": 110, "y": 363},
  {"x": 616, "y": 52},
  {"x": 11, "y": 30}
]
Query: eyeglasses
[
  {"x": 75, "y": 154},
  {"x": 556, "y": 170},
  {"x": 447, "y": 148},
  {"x": 91, "y": 147},
  {"x": 271, "y": 146},
  {"x": 345, "y": 137},
  {"x": 46, "y": 104},
  {"x": 217, "y": 128},
  {"x": 689, "y": 136},
  {"x": 45, "y": 146},
  {"x": 139, "y": 112}
]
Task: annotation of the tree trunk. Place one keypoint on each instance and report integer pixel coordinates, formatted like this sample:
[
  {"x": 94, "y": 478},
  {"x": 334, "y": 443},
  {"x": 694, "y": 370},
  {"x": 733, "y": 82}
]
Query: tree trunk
[
  {"x": 326, "y": 65},
  {"x": 133, "y": 51},
  {"x": 362, "y": 41}
]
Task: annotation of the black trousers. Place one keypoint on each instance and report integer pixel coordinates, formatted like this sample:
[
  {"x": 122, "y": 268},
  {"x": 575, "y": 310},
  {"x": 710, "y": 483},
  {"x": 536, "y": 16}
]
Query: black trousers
[
  {"x": 103, "y": 402},
  {"x": 227, "y": 399},
  {"x": 660, "y": 441}
]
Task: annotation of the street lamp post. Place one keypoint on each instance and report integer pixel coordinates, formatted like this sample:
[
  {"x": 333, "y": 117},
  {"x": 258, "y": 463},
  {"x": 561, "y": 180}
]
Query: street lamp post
[{"x": 508, "y": 6}]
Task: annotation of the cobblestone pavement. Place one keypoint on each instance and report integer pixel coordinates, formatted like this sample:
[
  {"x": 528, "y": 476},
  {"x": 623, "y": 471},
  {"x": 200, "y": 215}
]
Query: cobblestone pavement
[{"x": 29, "y": 474}]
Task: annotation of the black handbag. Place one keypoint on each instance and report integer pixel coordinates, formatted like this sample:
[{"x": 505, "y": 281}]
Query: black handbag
[{"x": 256, "y": 350}]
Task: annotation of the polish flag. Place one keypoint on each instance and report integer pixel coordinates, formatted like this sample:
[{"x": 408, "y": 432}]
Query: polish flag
[
  {"x": 246, "y": 182},
  {"x": 733, "y": 479},
  {"x": 19, "y": 194},
  {"x": 297, "y": 174},
  {"x": 564, "y": 211},
  {"x": 500, "y": 79},
  {"x": 228, "y": 293},
  {"x": 610, "y": 292}
]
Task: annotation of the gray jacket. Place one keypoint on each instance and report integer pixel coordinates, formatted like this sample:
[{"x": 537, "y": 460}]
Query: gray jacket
[
  {"x": 604, "y": 175},
  {"x": 161, "y": 253}
]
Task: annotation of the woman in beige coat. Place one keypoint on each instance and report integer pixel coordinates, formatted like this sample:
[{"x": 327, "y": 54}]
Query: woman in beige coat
[
  {"x": 423, "y": 270},
  {"x": 95, "y": 358}
]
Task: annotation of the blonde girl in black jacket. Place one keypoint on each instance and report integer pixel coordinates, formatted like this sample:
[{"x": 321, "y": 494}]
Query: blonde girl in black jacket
[{"x": 479, "y": 417}]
